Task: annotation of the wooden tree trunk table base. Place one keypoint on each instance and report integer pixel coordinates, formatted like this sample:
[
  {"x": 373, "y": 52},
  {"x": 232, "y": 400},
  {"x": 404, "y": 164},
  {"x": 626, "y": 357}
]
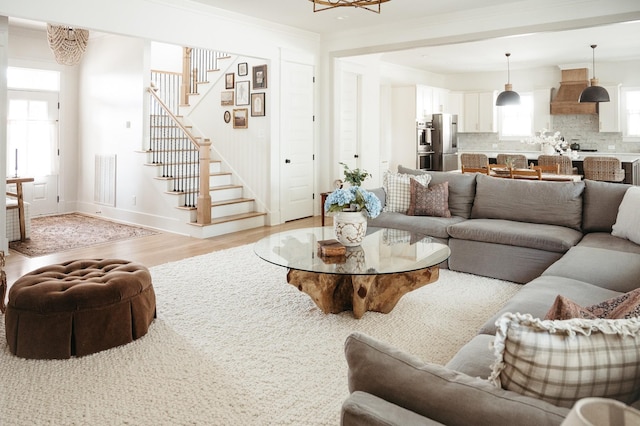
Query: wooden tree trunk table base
[{"x": 335, "y": 293}]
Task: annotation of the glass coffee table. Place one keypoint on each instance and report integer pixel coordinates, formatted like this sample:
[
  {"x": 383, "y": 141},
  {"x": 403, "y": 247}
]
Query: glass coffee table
[{"x": 371, "y": 277}]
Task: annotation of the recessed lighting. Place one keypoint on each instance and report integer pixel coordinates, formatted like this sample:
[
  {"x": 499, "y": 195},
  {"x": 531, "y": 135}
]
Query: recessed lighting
[{"x": 340, "y": 18}]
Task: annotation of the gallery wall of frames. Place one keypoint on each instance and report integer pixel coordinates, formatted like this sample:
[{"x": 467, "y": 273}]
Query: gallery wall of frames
[{"x": 245, "y": 92}]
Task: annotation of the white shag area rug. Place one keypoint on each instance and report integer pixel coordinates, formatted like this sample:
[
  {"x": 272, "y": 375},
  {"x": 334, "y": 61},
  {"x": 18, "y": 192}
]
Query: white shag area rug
[{"x": 234, "y": 344}]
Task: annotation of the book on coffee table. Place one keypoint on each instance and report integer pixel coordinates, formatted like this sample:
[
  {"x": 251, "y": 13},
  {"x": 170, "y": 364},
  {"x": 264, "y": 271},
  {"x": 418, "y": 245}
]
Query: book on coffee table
[{"x": 330, "y": 248}]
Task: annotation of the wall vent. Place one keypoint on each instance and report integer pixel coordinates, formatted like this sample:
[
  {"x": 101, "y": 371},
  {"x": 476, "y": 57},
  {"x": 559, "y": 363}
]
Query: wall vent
[{"x": 105, "y": 180}]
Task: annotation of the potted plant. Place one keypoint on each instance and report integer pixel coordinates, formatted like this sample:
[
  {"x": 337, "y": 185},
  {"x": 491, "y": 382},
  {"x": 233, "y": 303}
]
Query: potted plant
[{"x": 352, "y": 205}]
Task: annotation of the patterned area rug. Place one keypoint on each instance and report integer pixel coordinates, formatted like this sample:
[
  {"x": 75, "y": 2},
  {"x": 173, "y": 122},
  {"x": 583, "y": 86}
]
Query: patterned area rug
[{"x": 53, "y": 234}]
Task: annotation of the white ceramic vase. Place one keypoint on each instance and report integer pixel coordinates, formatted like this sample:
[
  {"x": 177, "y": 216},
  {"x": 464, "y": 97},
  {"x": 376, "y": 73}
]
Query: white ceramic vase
[
  {"x": 350, "y": 228},
  {"x": 548, "y": 149}
]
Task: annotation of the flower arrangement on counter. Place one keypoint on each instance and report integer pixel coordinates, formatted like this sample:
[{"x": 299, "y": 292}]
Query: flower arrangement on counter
[
  {"x": 546, "y": 138},
  {"x": 353, "y": 198}
]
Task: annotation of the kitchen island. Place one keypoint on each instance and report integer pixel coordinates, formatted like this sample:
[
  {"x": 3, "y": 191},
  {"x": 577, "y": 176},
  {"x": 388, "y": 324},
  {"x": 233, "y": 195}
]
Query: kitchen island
[{"x": 630, "y": 161}]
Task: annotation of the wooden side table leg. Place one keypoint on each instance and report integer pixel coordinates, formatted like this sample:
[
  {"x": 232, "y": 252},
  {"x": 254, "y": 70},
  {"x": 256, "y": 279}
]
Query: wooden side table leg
[{"x": 21, "y": 218}]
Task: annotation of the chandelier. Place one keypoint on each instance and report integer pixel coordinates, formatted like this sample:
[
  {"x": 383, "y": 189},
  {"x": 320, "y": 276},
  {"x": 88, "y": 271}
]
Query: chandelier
[
  {"x": 371, "y": 5},
  {"x": 67, "y": 43}
]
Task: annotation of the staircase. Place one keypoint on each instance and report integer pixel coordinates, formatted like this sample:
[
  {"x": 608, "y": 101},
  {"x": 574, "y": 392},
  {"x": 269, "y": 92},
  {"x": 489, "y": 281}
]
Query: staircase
[{"x": 210, "y": 203}]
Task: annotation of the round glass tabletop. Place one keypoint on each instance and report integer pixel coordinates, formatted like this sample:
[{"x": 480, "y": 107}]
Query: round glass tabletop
[{"x": 383, "y": 251}]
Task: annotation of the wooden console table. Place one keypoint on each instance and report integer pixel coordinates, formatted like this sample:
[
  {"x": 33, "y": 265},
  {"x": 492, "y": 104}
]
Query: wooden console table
[{"x": 19, "y": 195}]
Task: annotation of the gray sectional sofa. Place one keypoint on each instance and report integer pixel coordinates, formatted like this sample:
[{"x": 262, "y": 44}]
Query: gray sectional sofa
[{"x": 552, "y": 237}]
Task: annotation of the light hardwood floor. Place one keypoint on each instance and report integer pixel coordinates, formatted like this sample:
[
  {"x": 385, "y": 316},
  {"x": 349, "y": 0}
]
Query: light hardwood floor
[{"x": 152, "y": 250}]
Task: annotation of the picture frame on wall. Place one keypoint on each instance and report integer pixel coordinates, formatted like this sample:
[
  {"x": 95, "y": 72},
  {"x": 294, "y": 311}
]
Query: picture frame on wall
[
  {"x": 257, "y": 104},
  {"x": 229, "y": 80},
  {"x": 259, "y": 77},
  {"x": 240, "y": 118},
  {"x": 243, "y": 69},
  {"x": 226, "y": 98},
  {"x": 227, "y": 116},
  {"x": 242, "y": 93}
]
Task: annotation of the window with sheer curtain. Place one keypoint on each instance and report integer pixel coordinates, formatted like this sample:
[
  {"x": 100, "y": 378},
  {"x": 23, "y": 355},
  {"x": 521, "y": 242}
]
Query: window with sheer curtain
[{"x": 516, "y": 121}]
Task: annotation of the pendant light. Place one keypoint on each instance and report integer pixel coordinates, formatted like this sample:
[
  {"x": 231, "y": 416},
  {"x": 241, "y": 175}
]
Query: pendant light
[
  {"x": 594, "y": 93},
  {"x": 508, "y": 97}
]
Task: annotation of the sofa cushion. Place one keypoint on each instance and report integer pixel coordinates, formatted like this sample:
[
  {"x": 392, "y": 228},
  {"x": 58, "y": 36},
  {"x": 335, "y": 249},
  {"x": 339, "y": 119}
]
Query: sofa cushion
[
  {"x": 628, "y": 219},
  {"x": 613, "y": 270},
  {"x": 607, "y": 241},
  {"x": 435, "y": 392},
  {"x": 596, "y": 195},
  {"x": 626, "y": 305},
  {"x": 426, "y": 225},
  {"x": 396, "y": 185},
  {"x": 563, "y": 361},
  {"x": 510, "y": 263},
  {"x": 462, "y": 189},
  {"x": 552, "y": 203},
  {"x": 536, "y": 297},
  {"x": 475, "y": 358},
  {"x": 521, "y": 234},
  {"x": 428, "y": 200}
]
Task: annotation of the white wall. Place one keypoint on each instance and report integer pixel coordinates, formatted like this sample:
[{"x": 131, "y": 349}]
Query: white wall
[{"x": 111, "y": 120}]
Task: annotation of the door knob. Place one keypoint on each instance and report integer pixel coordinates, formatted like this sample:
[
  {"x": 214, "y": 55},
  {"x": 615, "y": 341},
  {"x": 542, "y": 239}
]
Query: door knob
[
  {"x": 355, "y": 156},
  {"x": 287, "y": 161}
]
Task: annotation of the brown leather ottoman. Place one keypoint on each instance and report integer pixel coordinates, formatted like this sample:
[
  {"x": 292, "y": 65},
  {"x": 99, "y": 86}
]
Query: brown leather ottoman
[{"x": 79, "y": 308}]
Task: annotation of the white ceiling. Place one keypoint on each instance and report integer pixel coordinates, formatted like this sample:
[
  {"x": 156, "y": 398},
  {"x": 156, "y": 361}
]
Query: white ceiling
[{"x": 615, "y": 42}]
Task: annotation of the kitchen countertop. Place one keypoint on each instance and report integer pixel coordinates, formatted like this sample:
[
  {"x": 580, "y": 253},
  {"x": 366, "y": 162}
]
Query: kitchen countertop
[{"x": 625, "y": 157}]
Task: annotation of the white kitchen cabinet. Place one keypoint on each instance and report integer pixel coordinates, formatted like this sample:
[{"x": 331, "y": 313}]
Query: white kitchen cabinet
[
  {"x": 456, "y": 106},
  {"x": 479, "y": 112},
  {"x": 609, "y": 112}
]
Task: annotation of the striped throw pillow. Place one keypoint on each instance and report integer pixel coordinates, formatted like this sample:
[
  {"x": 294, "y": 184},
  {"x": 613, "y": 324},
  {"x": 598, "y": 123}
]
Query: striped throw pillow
[{"x": 563, "y": 361}]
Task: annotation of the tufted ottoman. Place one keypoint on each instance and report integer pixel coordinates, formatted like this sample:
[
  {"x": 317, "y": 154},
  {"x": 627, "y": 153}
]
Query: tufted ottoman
[{"x": 79, "y": 308}]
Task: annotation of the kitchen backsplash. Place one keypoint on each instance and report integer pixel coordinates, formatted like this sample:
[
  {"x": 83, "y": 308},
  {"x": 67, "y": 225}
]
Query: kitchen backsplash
[{"x": 582, "y": 129}]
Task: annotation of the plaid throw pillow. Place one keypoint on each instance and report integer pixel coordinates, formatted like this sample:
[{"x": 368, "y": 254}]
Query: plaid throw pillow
[
  {"x": 626, "y": 305},
  {"x": 563, "y": 361},
  {"x": 428, "y": 201},
  {"x": 396, "y": 185}
]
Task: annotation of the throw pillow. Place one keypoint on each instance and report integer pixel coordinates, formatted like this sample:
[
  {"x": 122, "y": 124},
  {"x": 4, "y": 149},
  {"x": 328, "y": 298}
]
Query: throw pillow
[
  {"x": 626, "y": 305},
  {"x": 628, "y": 220},
  {"x": 428, "y": 201},
  {"x": 563, "y": 361},
  {"x": 396, "y": 185}
]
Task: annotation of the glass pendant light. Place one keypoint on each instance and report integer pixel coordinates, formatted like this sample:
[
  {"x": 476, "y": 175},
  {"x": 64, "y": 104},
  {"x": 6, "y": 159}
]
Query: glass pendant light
[
  {"x": 508, "y": 97},
  {"x": 594, "y": 93}
]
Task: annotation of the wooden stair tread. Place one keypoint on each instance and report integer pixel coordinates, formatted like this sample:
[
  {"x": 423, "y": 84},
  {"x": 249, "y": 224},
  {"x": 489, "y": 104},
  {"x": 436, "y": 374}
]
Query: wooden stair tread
[
  {"x": 230, "y": 218},
  {"x": 231, "y": 201}
]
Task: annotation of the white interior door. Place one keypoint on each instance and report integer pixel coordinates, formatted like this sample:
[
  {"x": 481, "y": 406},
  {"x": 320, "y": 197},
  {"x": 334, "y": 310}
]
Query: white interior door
[
  {"x": 32, "y": 146},
  {"x": 297, "y": 166},
  {"x": 349, "y": 119}
]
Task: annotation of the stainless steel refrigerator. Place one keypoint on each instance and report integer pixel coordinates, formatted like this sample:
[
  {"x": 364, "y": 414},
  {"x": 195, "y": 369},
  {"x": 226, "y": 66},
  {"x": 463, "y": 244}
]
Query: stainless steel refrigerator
[{"x": 444, "y": 141}]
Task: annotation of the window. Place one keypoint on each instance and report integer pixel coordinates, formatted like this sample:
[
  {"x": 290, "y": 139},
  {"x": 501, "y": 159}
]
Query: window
[
  {"x": 630, "y": 112},
  {"x": 33, "y": 79},
  {"x": 516, "y": 121}
]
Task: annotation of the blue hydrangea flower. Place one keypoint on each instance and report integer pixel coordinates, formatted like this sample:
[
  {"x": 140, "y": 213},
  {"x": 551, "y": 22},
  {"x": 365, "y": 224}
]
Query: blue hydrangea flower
[{"x": 353, "y": 198}]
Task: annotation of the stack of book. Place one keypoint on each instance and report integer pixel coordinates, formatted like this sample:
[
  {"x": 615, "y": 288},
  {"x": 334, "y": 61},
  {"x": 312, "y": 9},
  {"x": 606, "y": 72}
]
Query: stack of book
[{"x": 331, "y": 251}]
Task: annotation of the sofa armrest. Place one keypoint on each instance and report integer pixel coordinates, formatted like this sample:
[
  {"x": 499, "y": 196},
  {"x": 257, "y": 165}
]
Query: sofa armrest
[
  {"x": 435, "y": 392},
  {"x": 364, "y": 409}
]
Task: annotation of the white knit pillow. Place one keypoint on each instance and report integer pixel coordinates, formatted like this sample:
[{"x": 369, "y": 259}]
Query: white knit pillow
[
  {"x": 397, "y": 187},
  {"x": 628, "y": 221},
  {"x": 563, "y": 361}
]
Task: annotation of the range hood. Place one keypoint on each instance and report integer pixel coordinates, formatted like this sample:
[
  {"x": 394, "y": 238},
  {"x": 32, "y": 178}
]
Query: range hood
[{"x": 574, "y": 81}]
